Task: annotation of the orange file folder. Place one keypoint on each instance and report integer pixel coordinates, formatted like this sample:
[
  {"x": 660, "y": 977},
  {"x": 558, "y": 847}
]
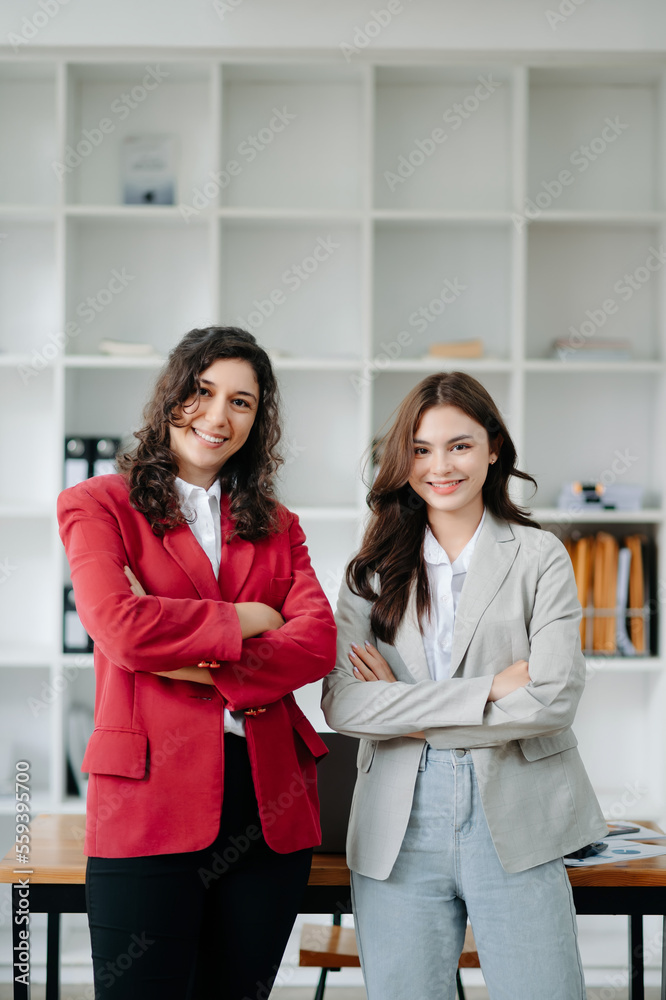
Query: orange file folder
[
  {"x": 582, "y": 558},
  {"x": 636, "y": 592},
  {"x": 605, "y": 593}
]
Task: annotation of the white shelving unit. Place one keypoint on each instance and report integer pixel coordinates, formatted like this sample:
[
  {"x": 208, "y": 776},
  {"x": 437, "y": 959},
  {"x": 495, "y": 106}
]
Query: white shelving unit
[{"x": 350, "y": 216}]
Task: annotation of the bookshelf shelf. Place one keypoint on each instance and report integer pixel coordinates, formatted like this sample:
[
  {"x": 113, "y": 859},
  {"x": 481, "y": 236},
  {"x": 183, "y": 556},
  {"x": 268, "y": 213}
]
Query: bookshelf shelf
[
  {"x": 338, "y": 340},
  {"x": 111, "y": 361},
  {"x": 591, "y": 367},
  {"x": 620, "y": 664},
  {"x": 648, "y": 515}
]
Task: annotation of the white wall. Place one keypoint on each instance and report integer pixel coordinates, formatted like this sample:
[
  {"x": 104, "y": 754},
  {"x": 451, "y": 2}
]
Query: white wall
[{"x": 421, "y": 24}]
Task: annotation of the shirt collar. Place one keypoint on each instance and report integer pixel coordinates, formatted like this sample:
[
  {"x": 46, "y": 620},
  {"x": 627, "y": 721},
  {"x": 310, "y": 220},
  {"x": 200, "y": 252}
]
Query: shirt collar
[
  {"x": 434, "y": 554},
  {"x": 190, "y": 492}
]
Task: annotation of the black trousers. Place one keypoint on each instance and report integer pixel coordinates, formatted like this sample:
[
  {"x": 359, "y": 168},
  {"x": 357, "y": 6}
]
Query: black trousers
[{"x": 201, "y": 925}]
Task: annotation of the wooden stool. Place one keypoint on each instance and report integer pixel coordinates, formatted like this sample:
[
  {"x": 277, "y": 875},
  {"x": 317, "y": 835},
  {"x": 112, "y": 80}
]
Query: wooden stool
[{"x": 331, "y": 948}]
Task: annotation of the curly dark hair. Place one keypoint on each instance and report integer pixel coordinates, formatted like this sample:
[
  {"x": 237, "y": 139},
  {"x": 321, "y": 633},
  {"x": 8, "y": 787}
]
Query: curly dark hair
[{"x": 247, "y": 477}]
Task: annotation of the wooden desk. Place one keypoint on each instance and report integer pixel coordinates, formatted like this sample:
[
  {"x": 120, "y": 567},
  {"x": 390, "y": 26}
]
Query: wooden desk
[{"x": 56, "y": 876}]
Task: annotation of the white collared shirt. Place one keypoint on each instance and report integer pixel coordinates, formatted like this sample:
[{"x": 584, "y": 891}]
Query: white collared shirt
[
  {"x": 204, "y": 505},
  {"x": 446, "y": 581}
]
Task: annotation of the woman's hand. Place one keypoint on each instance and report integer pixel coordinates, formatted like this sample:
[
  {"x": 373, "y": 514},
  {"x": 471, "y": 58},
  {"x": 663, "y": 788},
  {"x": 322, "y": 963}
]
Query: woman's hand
[
  {"x": 369, "y": 664},
  {"x": 256, "y": 618},
  {"x": 135, "y": 586},
  {"x": 509, "y": 680},
  {"x": 200, "y": 675}
]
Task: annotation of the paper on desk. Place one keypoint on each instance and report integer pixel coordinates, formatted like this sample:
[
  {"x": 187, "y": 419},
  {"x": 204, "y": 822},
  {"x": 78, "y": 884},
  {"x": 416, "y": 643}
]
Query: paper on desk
[{"x": 617, "y": 850}]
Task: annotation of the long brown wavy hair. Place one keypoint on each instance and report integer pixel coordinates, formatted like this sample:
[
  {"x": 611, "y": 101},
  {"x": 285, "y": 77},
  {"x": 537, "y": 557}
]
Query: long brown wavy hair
[
  {"x": 393, "y": 542},
  {"x": 247, "y": 477}
]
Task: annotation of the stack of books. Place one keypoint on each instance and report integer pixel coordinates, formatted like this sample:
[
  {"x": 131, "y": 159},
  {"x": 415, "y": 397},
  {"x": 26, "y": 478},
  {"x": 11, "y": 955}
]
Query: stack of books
[
  {"x": 457, "y": 349},
  {"x": 576, "y": 349},
  {"x": 615, "y": 579}
]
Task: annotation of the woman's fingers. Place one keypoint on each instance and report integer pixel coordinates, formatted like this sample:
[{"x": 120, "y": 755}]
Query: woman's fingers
[
  {"x": 369, "y": 664},
  {"x": 135, "y": 586},
  {"x": 361, "y": 670}
]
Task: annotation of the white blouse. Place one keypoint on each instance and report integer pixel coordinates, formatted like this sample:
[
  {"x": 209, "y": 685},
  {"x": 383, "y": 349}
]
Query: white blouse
[
  {"x": 204, "y": 505},
  {"x": 446, "y": 581}
]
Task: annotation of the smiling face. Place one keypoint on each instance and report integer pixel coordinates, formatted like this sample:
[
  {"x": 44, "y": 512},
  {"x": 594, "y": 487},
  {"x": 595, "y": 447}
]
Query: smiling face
[
  {"x": 216, "y": 422},
  {"x": 451, "y": 459}
]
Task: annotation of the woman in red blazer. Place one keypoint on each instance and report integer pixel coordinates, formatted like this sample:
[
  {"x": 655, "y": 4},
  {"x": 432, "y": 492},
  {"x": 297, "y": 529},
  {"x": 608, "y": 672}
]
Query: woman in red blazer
[{"x": 197, "y": 589}]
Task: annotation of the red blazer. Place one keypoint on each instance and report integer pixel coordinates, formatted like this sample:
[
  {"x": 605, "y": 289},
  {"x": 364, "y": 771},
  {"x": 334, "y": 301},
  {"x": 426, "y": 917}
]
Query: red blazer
[{"x": 156, "y": 755}]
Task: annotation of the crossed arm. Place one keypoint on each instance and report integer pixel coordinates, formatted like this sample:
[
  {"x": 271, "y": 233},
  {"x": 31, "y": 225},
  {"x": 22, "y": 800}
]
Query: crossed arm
[
  {"x": 254, "y": 619},
  {"x": 369, "y": 665},
  {"x": 480, "y": 710}
]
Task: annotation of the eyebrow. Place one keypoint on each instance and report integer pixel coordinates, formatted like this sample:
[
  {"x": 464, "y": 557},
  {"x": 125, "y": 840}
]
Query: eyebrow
[
  {"x": 460, "y": 437},
  {"x": 240, "y": 392}
]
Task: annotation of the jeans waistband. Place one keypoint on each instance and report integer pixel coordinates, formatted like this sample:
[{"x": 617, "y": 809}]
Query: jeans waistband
[{"x": 456, "y": 757}]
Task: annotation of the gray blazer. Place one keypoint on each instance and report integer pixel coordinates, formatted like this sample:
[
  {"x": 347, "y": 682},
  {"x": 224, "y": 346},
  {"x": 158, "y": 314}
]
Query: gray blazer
[{"x": 518, "y": 601}]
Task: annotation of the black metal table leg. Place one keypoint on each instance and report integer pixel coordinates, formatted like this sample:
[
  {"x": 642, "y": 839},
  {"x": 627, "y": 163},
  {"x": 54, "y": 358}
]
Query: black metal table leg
[
  {"x": 20, "y": 946},
  {"x": 636, "y": 972},
  {"x": 53, "y": 956}
]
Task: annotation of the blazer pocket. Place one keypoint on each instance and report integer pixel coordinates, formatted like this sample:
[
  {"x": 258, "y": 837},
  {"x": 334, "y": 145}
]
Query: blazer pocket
[
  {"x": 121, "y": 752},
  {"x": 365, "y": 755},
  {"x": 538, "y": 747}
]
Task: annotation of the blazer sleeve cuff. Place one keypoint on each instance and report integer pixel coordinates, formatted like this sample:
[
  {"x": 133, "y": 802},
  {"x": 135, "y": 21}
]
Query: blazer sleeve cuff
[
  {"x": 233, "y": 637},
  {"x": 520, "y": 704}
]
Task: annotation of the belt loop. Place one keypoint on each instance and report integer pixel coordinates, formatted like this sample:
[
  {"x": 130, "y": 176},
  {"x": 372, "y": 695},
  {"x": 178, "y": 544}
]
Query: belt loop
[{"x": 424, "y": 754}]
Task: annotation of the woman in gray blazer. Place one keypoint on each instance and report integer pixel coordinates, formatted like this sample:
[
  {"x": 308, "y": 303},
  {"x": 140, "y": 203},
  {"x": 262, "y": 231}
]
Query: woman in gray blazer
[{"x": 459, "y": 667}]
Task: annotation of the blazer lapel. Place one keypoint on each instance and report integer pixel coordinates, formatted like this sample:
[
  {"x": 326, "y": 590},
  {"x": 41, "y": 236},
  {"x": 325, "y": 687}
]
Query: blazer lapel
[
  {"x": 495, "y": 551},
  {"x": 185, "y": 549},
  {"x": 235, "y": 565},
  {"x": 409, "y": 642}
]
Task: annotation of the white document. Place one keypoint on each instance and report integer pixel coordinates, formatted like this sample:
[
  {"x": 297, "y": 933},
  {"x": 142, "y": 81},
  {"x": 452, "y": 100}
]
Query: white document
[{"x": 617, "y": 850}]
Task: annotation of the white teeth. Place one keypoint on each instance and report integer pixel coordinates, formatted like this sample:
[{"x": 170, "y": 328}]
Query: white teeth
[{"x": 207, "y": 437}]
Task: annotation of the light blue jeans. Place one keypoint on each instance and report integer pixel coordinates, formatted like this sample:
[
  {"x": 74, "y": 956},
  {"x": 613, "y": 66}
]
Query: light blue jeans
[{"x": 411, "y": 926}]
